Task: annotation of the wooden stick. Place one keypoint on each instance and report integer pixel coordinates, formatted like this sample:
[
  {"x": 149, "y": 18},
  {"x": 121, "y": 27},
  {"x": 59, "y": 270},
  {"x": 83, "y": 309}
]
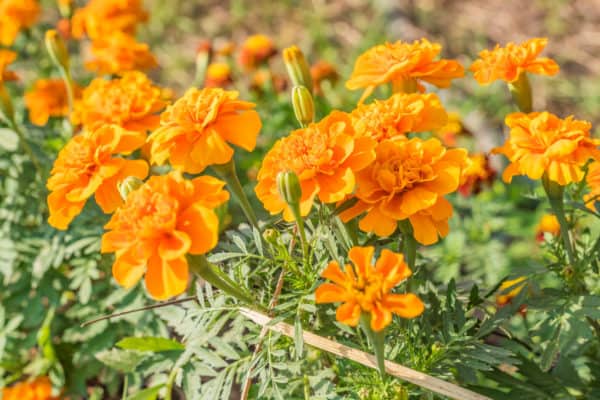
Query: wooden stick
[{"x": 410, "y": 375}]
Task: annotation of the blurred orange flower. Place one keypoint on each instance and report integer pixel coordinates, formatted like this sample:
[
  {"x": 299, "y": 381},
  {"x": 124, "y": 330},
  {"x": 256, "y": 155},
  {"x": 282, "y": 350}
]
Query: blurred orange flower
[
  {"x": 548, "y": 223},
  {"x": 405, "y": 65},
  {"x": 593, "y": 182},
  {"x": 195, "y": 131},
  {"x": 477, "y": 173},
  {"x": 256, "y": 50},
  {"x": 37, "y": 389},
  {"x": 407, "y": 181},
  {"x": 400, "y": 114},
  {"x": 132, "y": 102},
  {"x": 325, "y": 156},
  {"x": 88, "y": 165},
  {"x": 100, "y": 18},
  {"x": 119, "y": 52},
  {"x": 218, "y": 75},
  {"x": 156, "y": 227},
  {"x": 366, "y": 288},
  {"x": 322, "y": 71},
  {"x": 510, "y": 289},
  {"x": 48, "y": 99},
  {"x": 16, "y": 15},
  {"x": 507, "y": 63},
  {"x": 7, "y": 57},
  {"x": 449, "y": 132},
  {"x": 543, "y": 143}
]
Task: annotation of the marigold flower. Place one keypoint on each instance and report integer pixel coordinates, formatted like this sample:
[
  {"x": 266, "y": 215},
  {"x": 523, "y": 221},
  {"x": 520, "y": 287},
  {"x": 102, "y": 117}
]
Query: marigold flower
[
  {"x": 449, "y": 132},
  {"x": 218, "y": 75},
  {"x": 16, "y": 15},
  {"x": 195, "y": 131},
  {"x": 508, "y": 63},
  {"x": 543, "y": 143},
  {"x": 548, "y": 223},
  {"x": 156, "y": 227},
  {"x": 225, "y": 49},
  {"x": 100, "y": 18},
  {"x": 403, "y": 64},
  {"x": 323, "y": 71},
  {"x": 325, "y": 156},
  {"x": 37, "y": 389},
  {"x": 7, "y": 57},
  {"x": 48, "y": 99},
  {"x": 118, "y": 53},
  {"x": 88, "y": 165},
  {"x": 477, "y": 173},
  {"x": 400, "y": 114},
  {"x": 505, "y": 296},
  {"x": 132, "y": 102},
  {"x": 366, "y": 288},
  {"x": 408, "y": 180},
  {"x": 593, "y": 182},
  {"x": 256, "y": 50}
]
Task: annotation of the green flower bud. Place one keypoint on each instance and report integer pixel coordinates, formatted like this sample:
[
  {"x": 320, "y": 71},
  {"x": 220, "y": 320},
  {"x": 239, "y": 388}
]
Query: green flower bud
[
  {"x": 271, "y": 236},
  {"x": 297, "y": 67},
  {"x": 303, "y": 104},
  {"x": 289, "y": 189},
  {"x": 57, "y": 49},
  {"x": 128, "y": 185},
  {"x": 7, "y": 111}
]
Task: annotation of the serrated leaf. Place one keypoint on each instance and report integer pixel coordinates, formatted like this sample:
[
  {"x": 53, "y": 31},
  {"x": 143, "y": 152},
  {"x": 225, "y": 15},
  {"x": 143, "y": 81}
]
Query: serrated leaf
[{"x": 150, "y": 343}]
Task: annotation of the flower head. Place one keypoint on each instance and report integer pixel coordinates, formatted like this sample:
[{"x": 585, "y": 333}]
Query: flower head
[
  {"x": 508, "y": 63},
  {"x": 132, "y": 102},
  {"x": 510, "y": 289},
  {"x": 119, "y": 52},
  {"x": 16, "y": 15},
  {"x": 325, "y": 156},
  {"x": 37, "y": 389},
  {"x": 477, "y": 173},
  {"x": 593, "y": 182},
  {"x": 100, "y": 18},
  {"x": 7, "y": 57},
  {"x": 218, "y": 75},
  {"x": 404, "y": 64},
  {"x": 548, "y": 224},
  {"x": 543, "y": 143},
  {"x": 366, "y": 288},
  {"x": 400, "y": 114},
  {"x": 196, "y": 130},
  {"x": 323, "y": 71},
  {"x": 89, "y": 165},
  {"x": 408, "y": 180},
  {"x": 448, "y": 133},
  {"x": 48, "y": 99},
  {"x": 159, "y": 223},
  {"x": 256, "y": 50}
]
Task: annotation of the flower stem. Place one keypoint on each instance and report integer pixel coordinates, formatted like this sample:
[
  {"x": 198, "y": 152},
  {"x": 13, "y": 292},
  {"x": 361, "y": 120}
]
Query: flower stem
[
  {"x": 295, "y": 207},
  {"x": 521, "y": 93},
  {"x": 555, "y": 192},
  {"x": 377, "y": 340},
  {"x": 409, "y": 244}
]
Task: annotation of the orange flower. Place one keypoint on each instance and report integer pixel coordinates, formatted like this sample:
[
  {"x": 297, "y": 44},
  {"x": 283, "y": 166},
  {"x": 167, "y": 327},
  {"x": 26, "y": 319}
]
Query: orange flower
[
  {"x": 593, "y": 182},
  {"x": 118, "y": 53},
  {"x": 507, "y": 63},
  {"x": 88, "y": 165},
  {"x": 100, "y": 18},
  {"x": 14, "y": 16},
  {"x": 477, "y": 173},
  {"x": 453, "y": 127},
  {"x": 160, "y": 223},
  {"x": 256, "y": 50},
  {"x": 407, "y": 181},
  {"x": 403, "y": 64},
  {"x": 325, "y": 156},
  {"x": 510, "y": 289},
  {"x": 37, "y": 389},
  {"x": 365, "y": 288},
  {"x": 548, "y": 223},
  {"x": 320, "y": 72},
  {"x": 543, "y": 143},
  {"x": 195, "y": 131},
  {"x": 218, "y": 75},
  {"x": 225, "y": 49},
  {"x": 47, "y": 99},
  {"x": 132, "y": 102},
  {"x": 400, "y": 114},
  {"x": 7, "y": 57}
]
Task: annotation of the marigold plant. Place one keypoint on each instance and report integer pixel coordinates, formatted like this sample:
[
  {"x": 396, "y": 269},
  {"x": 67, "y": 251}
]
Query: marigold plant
[
  {"x": 548, "y": 224},
  {"x": 7, "y": 57},
  {"x": 100, "y": 18},
  {"x": 593, "y": 182},
  {"x": 36, "y": 389},
  {"x": 48, "y": 98},
  {"x": 16, "y": 15},
  {"x": 255, "y": 50},
  {"x": 118, "y": 53}
]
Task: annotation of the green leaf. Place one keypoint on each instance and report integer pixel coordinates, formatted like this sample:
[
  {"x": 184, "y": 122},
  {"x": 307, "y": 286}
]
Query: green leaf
[
  {"x": 149, "y": 343},
  {"x": 9, "y": 139},
  {"x": 122, "y": 360},
  {"x": 551, "y": 349},
  {"x": 298, "y": 339},
  {"x": 147, "y": 394}
]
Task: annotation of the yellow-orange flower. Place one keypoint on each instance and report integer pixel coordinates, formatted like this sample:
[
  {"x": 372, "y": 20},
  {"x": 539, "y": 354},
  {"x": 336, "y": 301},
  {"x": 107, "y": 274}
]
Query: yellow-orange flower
[
  {"x": 16, "y": 15},
  {"x": 400, "y": 114},
  {"x": 120, "y": 52},
  {"x": 37, "y": 389},
  {"x": 403, "y": 64},
  {"x": 510, "y": 289},
  {"x": 132, "y": 102},
  {"x": 548, "y": 223},
  {"x": 100, "y": 18},
  {"x": 88, "y": 165},
  {"x": 256, "y": 50},
  {"x": 218, "y": 75},
  {"x": 7, "y": 57},
  {"x": 543, "y": 143},
  {"x": 159, "y": 223},
  {"x": 593, "y": 182},
  {"x": 323, "y": 71},
  {"x": 408, "y": 181},
  {"x": 48, "y": 99},
  {"x": 325, "y": 156},
  {"x": 449, "y": 132},
  {"x": 476, "y": 173},
  {"x": 366, "y": 288},
  {"x": 195, "y": 131},
  {"x": 508, "y": 63}
]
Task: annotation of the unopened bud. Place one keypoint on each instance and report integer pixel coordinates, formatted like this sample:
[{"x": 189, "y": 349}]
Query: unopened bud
[
  {"x": 289, "y": 188},
  {"x": 271, "y": 235},
  {"x": 297, "y": 67},
  {"x": 57, "y": 49},
  {"x": 304, "y": 106},
  {"x": 7, "y": 111},
  {"x": 128, "y": 185}
]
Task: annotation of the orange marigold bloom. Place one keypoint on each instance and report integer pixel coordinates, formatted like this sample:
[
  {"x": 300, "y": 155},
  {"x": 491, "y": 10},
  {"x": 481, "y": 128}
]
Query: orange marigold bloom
[
  {"x": 449, "y": 132},
  {"x": 118, "y": 53},
  {"x": 156, "y": 227},
  {"x": 37, "y": 389},
  {"x": 100, "y": 18},
  {"x": 88, "y": 165},
  {"x": 508, "y": 63},
  {"x": 365, "y": 288},
  {"x": 16, "y": 15},
  {"x": 477, "y": 173},
  {"x": 325, "y": 156},
  {"x": 7, "y": 57},
  {"x": 323, "y": 71},
  {"x": 543, "y": 143},
  {"x": 510, "y": 289},
  {"x": 218, "y": 75},
  {"x": 400, "y": 114},
  {"x": 48, "y": 99},
  {"x": 548, "y": 223},
  {"x": 195, "y": 131},
  {"x": 256, "y": 50},
  {"x": 408, "y": 181},
  {"x": 403, "y": 64},
  {"x": 593, "y": 181},
  {"x": 132, "y": 102}
]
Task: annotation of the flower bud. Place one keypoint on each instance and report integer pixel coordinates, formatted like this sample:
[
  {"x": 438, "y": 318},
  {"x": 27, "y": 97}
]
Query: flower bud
[
  {"x": 289, "y": 188},
  {"x": 303, "y": 104},
  {"x": 7, "y": 111},
  {"x": 271, "y": 236},
  {"x": 57, "y": 49},
  {"x": 128, "y": 185},
  {"x": 297, "y": 67}
]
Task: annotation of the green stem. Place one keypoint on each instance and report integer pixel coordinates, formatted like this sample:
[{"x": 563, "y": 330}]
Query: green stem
[
  {"x": 377, "y": 340},
  {"x": 521, "y": 93},
  {"x": 27, "y": 148},
  {"x": 409, "y": 244},
  {"x": 295, "y": 207},
  {"x": 306, "y": 387},
  {"x": 554, "y": 191}
]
